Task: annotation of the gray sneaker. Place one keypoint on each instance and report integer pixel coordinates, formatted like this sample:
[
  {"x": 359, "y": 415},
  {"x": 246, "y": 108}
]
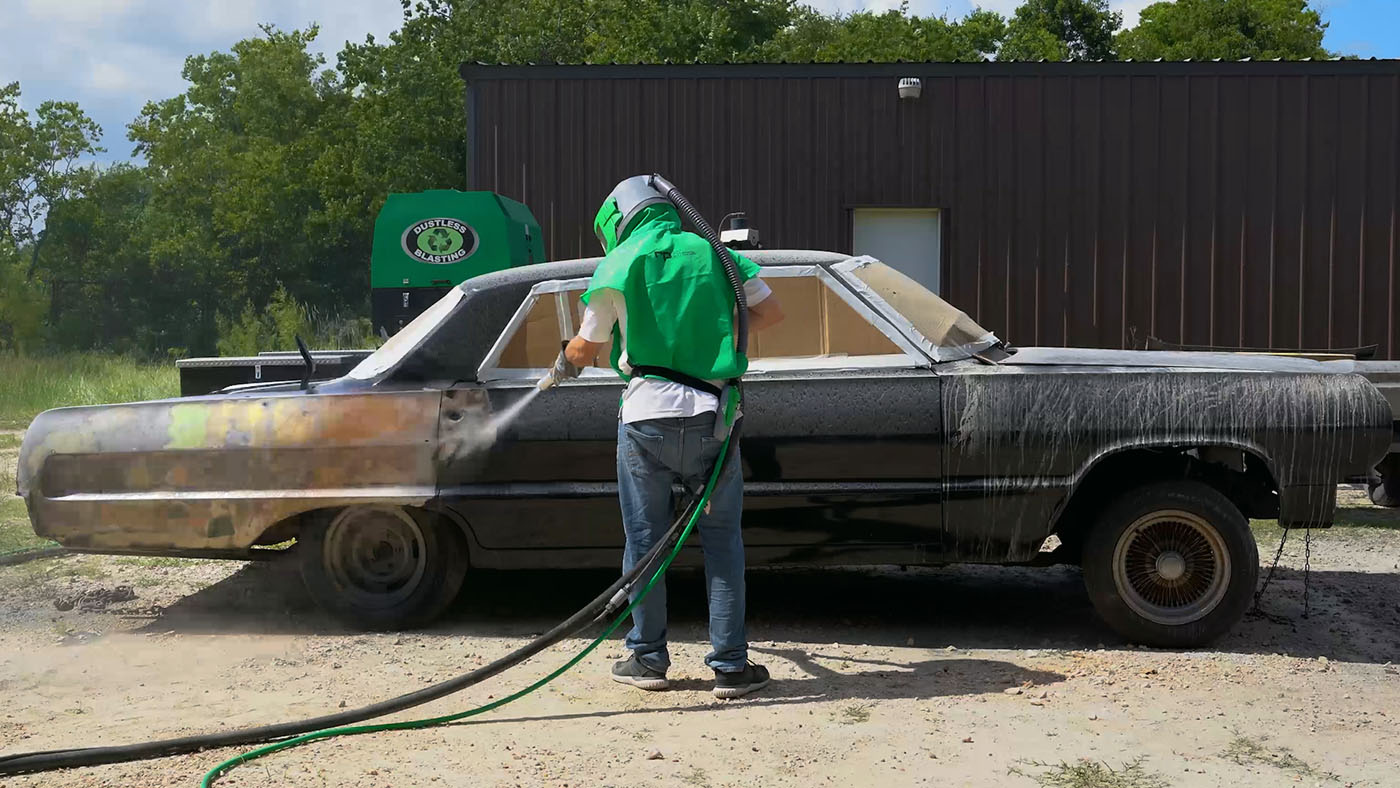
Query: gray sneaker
[
  {"x": 740, "y": 683},
  {"x": 632, "y": 671}
]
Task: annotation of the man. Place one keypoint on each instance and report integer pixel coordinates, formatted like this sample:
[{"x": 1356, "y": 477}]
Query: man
[{"x": 661, "y": 295}]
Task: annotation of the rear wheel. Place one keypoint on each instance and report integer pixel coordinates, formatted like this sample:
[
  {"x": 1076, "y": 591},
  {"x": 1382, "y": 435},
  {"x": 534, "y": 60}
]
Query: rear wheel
[
  {"x": 1171, "y": 564},
  {"x": 382, "y": 567}
]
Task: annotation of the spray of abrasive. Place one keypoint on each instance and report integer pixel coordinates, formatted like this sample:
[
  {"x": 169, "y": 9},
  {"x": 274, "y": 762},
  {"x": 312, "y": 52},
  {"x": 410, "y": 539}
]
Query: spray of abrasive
[{"x": 471, "y": 436}]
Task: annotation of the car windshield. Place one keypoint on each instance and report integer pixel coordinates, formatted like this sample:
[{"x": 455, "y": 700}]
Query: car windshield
[
  {"x": 399, "y": 345},
  {"x": 942, "y": 330}
]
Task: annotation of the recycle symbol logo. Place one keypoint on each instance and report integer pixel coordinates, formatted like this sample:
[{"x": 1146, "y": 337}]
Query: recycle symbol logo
[{"x": 439, "y": 241}]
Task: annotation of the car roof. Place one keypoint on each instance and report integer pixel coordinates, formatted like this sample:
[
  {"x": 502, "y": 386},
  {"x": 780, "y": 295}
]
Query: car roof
[{"x": 583, "y": 266}]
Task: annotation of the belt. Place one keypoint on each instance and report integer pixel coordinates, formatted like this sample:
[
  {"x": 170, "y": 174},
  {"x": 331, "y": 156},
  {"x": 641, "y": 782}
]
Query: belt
[{"x": 675, "y": 376}]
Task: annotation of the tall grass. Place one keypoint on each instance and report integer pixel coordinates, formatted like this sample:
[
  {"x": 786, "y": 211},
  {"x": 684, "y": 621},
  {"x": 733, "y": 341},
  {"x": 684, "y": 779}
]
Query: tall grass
[{"x": 30, "y": 384}]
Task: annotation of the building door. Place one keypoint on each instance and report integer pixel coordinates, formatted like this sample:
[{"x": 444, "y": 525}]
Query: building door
[{"x": 908, "y": 239}]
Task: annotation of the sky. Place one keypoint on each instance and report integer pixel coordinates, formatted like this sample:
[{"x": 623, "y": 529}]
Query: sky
[{"x": 112, "y": 56}]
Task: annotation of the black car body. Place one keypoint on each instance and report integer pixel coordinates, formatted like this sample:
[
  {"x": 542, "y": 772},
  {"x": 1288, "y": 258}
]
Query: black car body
[{"x": 881, "y": 426}]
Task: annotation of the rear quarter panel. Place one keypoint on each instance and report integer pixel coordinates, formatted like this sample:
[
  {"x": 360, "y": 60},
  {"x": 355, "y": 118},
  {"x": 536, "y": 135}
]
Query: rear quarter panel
[{"x": 1020, "y": 438}]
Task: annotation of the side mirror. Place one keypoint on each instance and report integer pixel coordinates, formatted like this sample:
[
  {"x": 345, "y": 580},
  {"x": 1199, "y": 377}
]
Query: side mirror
[{"x": 308, "y": 361}]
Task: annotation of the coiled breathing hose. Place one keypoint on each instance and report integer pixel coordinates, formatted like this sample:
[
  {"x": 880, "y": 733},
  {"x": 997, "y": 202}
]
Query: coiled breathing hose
[{"x": 292, "y": 734}]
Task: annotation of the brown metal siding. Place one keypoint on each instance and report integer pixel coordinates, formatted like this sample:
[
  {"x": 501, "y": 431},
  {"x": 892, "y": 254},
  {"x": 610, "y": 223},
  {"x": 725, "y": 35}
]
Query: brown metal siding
[{"x": 1084, "y": 204}]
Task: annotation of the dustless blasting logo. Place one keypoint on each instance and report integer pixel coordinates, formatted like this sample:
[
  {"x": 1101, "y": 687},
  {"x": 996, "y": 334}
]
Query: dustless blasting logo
[{"x": 439, "y": 241}]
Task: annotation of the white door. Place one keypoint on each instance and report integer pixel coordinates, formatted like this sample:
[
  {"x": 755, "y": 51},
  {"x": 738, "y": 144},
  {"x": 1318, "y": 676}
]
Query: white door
[{"x": 905, "y": 238}]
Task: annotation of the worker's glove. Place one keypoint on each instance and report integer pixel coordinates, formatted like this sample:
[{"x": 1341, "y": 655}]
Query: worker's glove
[{"x": 563, "y": 369}]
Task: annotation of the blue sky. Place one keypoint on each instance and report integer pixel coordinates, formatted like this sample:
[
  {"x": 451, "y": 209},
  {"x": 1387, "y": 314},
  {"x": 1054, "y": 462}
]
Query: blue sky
[{"x": 114, "y": 55}]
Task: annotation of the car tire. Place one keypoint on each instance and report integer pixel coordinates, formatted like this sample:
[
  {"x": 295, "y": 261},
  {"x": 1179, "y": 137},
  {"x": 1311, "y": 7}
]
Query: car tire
[
  {"x": 1384, "y": 489},
  {"x": 1171, "y": 565},
  {"x": 380, "y": 567}
]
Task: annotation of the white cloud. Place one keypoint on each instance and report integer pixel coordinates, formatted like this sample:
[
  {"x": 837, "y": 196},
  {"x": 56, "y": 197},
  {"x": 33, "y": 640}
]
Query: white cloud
[
  {"x": 108, "y": 77},
  {"x": 87, "y": 13},
  {"x": 1131, "y": 10},
  {"x": 112, "y": 56}
]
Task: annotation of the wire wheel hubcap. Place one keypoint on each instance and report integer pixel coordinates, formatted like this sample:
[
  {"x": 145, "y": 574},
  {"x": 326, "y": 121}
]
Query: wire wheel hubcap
[
  {"x": 376, "y": 555},
  {"x": 1171, "y": 567}
]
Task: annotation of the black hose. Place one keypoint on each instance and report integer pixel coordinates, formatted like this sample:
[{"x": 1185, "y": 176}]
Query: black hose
[
  {"x": 606, "y": 604},
  {"x": 726, "y": 259}
]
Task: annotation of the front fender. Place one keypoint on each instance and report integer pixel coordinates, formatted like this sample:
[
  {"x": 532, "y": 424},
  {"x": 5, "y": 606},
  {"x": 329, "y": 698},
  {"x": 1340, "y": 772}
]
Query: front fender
[{"x": 212, "y": 473}]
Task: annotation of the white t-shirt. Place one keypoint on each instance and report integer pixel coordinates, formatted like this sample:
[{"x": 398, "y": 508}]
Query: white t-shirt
[{"x": 646, "y": 398}]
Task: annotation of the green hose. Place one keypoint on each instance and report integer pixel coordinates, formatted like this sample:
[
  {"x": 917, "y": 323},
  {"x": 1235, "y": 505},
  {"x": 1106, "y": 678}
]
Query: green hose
[{"x": 350, "y": 730}]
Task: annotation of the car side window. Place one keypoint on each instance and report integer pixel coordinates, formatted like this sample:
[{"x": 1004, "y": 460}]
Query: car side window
[
  {"x": 818, "y": 324},
  {"x": 826, "y": 327}
]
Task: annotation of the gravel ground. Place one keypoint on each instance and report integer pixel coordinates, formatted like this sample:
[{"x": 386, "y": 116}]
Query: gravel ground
[{"x": 959, "y": 676}]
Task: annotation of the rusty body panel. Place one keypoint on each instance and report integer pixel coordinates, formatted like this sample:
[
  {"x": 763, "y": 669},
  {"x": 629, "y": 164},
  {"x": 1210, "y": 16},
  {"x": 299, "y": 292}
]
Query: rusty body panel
[{"x": 213, "y": 473}]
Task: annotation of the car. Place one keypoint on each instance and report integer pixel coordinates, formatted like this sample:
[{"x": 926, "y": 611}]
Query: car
[{"x": 882, "y": 426}]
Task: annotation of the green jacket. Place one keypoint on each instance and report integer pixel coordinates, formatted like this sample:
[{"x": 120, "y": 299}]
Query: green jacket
[{"x": 680, "y": 306}]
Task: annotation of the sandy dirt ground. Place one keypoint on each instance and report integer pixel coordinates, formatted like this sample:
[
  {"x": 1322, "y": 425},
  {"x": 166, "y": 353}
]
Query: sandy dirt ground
[{"x": 958, "y": 676}]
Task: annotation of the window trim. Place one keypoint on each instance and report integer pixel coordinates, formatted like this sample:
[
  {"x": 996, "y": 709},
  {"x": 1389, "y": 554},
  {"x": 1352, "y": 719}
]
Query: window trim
[{"x": 909, "y": 356}]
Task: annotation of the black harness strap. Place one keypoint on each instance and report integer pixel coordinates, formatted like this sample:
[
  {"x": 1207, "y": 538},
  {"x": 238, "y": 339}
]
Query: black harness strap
[{"x": 674, "y": 376}]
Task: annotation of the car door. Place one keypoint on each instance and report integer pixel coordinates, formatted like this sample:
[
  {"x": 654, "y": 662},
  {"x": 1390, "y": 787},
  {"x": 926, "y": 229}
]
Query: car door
[
  {"x": 840, "y": 440},
  {"x": 842, "y": 431},
  {"x": 959, "y": 346},
  {"x": 546, "y": 479}
]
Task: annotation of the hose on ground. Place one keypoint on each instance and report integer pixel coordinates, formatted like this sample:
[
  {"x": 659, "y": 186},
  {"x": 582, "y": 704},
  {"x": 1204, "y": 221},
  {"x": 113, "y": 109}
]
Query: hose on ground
[{"x": 602, "y": 606}]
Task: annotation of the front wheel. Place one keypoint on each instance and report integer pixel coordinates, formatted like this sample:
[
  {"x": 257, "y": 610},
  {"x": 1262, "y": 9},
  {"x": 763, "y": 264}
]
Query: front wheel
[
  {"x": 1171, "y": 565},
  {"x": 1384, "y": 489},
  {"x": 382, "y": 567}
]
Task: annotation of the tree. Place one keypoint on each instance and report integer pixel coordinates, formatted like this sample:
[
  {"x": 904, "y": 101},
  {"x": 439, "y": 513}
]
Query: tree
[
  {"x": 1226, "y": 29},
  {"x": 239, "y": 164},
  {"x": 39, "y": 169},
  {"x": 96, "y": 262},
  {"x": 23, "y": 302},
  {"x": 1061, "y": 30},
  {"x": 40, "y": 163},
  {"x": 888, "y": 36}
]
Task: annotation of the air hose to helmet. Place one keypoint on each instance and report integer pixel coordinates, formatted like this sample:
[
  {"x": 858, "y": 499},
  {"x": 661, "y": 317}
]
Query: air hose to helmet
[
  {"x": 292, "y": 734},
  {"x": 726, "y": 258}
]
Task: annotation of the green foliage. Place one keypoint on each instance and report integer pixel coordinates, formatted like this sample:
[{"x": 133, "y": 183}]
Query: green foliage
[
  {"x": 1061, "y": 30},
  {"x": 39, "y": 160},
  {"x": 23, "y": 303},
  {"x": 1085, "y": 773},
  {"x": 888, "y": 36},
  {"x": 1226, "y": 29},
  {"x": 273, "y": 328},
  {"x": 31, "y": 384},
  {"x": 277, "y": 326}
]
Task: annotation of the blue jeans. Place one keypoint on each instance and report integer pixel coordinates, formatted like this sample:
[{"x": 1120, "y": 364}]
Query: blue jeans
[{"x": 651, "y": 456}]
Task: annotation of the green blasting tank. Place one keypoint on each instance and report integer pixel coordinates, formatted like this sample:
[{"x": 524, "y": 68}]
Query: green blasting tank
[{"x": 428, "y": 242}]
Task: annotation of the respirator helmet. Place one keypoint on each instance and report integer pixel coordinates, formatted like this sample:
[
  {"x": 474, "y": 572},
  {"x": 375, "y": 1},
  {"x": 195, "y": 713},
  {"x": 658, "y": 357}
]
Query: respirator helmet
[{"x": 623, "y": 205}]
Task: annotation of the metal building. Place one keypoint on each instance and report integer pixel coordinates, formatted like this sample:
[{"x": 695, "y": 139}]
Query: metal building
[{"x": 1234, "y": 204}]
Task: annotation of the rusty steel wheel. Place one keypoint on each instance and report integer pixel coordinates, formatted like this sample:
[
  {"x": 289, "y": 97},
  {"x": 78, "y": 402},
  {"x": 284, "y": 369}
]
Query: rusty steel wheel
[
  {"x": 375, "y": 554},
  {"x": 1171, "y": 567},
  {"x": 381, "y": 566},
  {"x": 1171, "y": 564}
]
